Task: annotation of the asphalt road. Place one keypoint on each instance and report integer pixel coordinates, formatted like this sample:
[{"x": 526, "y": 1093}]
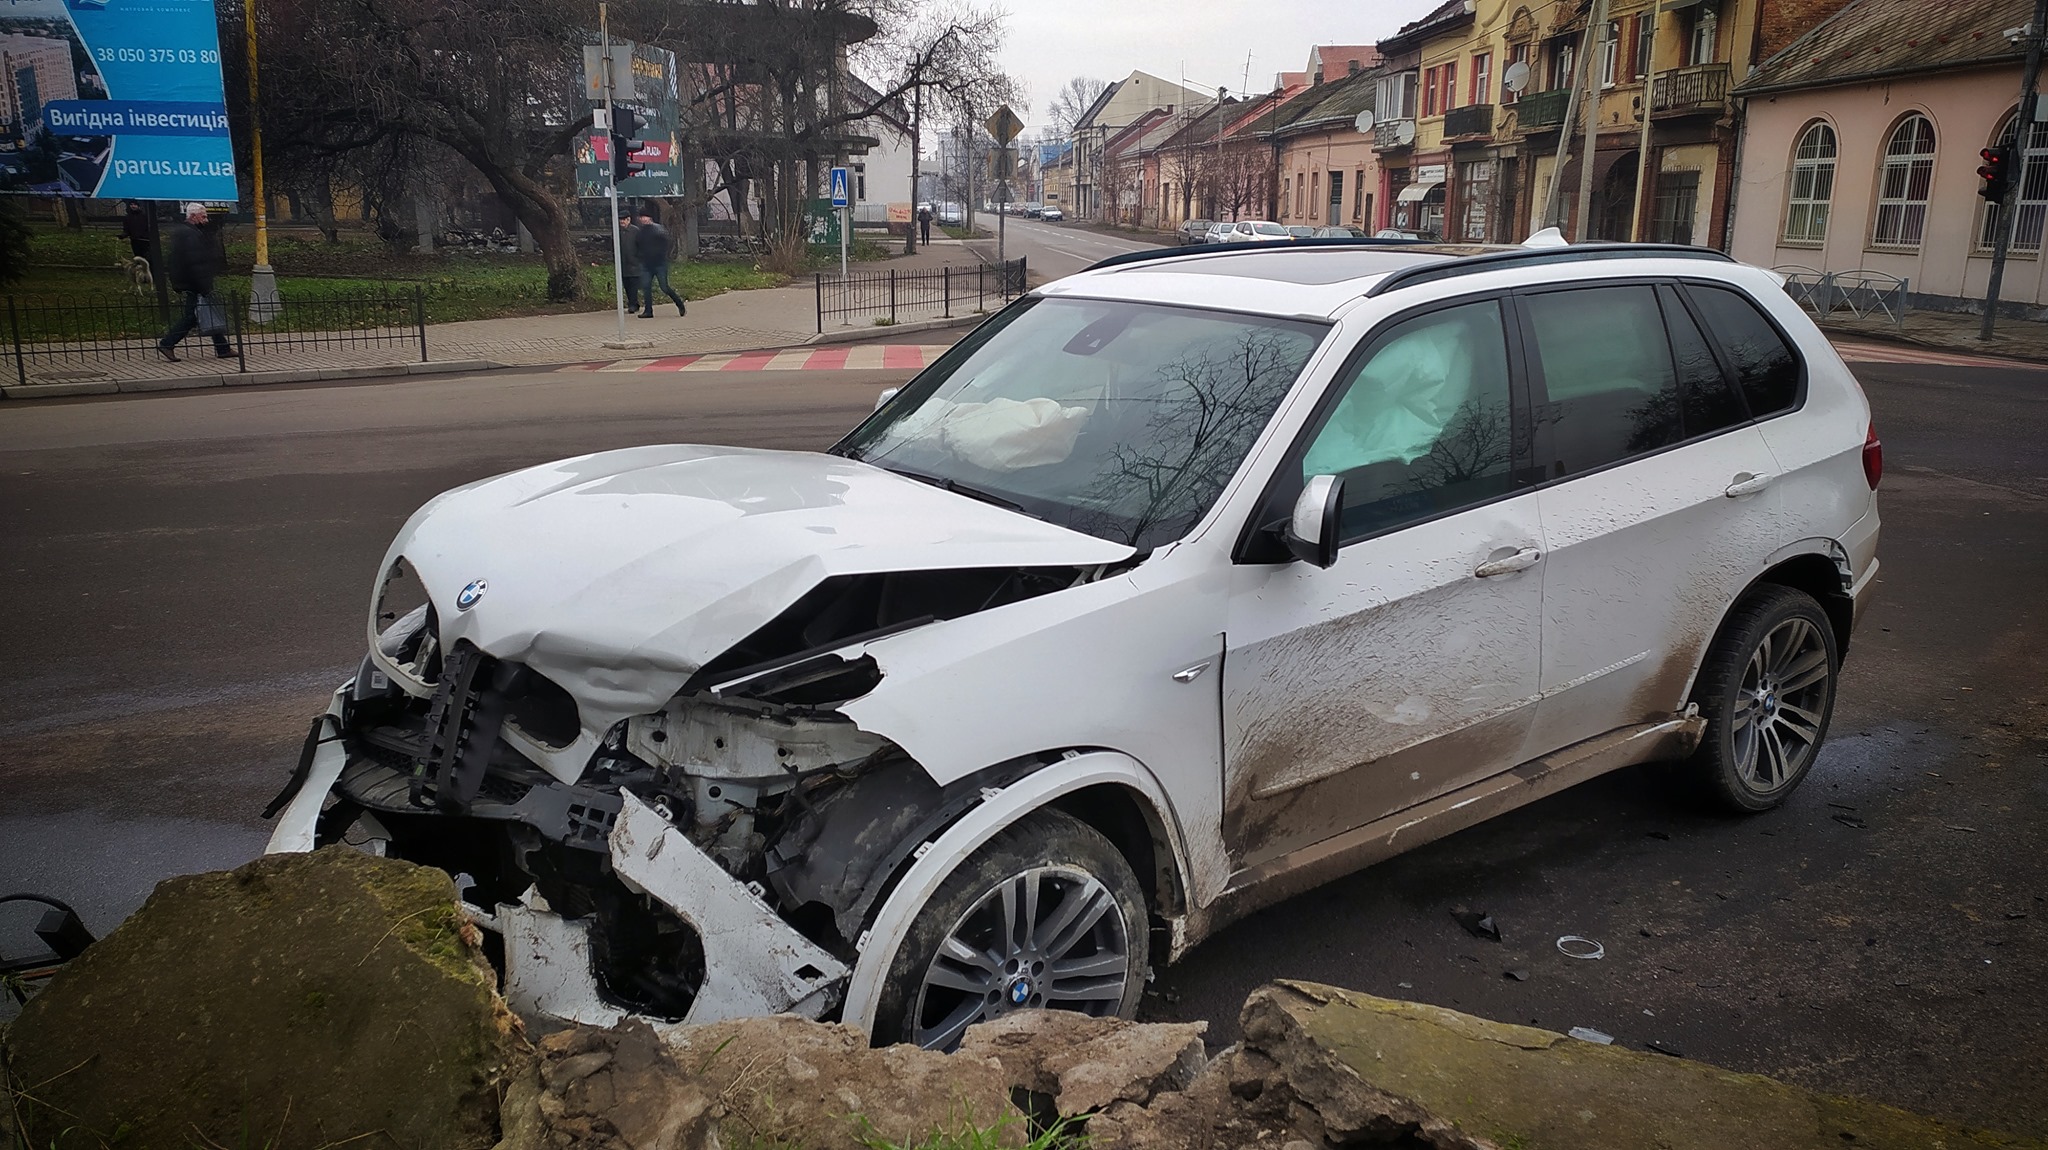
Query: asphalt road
[
  {"x": 186, "y": 577},
  {"x": 1054, "y": 250}
]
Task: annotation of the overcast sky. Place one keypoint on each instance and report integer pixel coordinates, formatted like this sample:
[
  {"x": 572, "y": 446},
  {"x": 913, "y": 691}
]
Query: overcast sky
[{"x": 1050, "y": 41}]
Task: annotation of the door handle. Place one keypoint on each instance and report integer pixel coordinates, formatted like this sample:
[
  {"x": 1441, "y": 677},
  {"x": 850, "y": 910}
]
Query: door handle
[
  {"x": 1748, "y": 486},
  {"x": 1521, "y": 560}
]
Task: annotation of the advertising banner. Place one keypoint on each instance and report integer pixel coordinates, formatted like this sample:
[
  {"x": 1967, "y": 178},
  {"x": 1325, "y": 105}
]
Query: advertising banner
[
  {"x": 656, "y": 95},
  {"x": 114, "y": 98}
]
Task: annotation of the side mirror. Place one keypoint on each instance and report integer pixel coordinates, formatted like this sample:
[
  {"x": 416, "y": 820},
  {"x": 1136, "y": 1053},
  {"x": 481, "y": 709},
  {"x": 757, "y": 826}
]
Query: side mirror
[
  {"x": 1310, "y": 532},
  {"x": 888, "y": 393}
]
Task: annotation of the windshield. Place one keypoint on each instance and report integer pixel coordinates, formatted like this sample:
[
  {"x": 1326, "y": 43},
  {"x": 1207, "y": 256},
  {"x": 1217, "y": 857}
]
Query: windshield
[{"x": 1120, "y": 420}]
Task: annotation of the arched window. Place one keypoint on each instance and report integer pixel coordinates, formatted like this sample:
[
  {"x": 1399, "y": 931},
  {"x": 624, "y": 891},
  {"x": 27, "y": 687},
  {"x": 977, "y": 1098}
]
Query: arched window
[
  {"x": 2031, "y": 169},
  {"x": 1813, "y": 186},
  {"x": 1903, "y": 184}
]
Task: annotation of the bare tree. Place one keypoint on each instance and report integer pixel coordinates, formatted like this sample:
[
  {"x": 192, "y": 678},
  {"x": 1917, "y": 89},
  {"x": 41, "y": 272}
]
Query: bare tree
[{"x": 1070, "y": 103}]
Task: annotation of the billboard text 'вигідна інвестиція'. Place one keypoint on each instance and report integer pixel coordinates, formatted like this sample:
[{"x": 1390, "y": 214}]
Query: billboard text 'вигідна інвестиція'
[{"x": 113, "y": 98}]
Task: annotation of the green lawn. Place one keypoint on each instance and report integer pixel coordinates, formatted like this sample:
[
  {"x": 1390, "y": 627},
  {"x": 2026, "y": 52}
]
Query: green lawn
[{"x": 86, "y": 268}]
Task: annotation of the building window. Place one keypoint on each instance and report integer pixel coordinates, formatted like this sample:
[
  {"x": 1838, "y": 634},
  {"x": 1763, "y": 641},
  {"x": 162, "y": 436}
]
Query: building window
[
  {"x": 1610, "y": 50},
  {"x": 1646, "y": 43},
  {"x": 1564, "y": 57},
  {"x": 1903, "y": 184},
  {"x": 1450, "y": 86},
  {"x": 1699, "y": 43},
  {"x": 1482, "y": 79},
  {"x": 860, "y": 183},
  {"x": 1394, "y": 96},
  {"x": 1359, "y": 196},
  {"x": 1678, "y": 199},
  {"x": 1813, "y": 186},
  {"x": 1518, "y": 54},
  {"x": 1315, "y": 187},
  {"x": 1429, "y": 92},
  {"x": 2033, "y": 199}
]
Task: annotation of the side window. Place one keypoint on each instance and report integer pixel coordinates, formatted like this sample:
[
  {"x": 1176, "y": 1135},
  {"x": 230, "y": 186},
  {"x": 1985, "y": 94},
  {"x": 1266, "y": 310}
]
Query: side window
[
  {"x": 1766, "y": 367},
  {"x": 1607, "y": 373},
  {"x": 1710, "y": 403},
  {"x": 1423, "y": 424}
]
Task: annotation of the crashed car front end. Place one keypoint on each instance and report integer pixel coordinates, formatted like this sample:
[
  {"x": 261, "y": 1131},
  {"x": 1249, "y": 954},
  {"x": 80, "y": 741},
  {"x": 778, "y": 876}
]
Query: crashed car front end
[{"x": 658, "y": 828}]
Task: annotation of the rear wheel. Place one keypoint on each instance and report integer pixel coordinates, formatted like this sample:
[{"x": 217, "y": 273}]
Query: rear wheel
[
  {"x": 1045, "y": 915},
  {"x": 1768, "y": 691}
]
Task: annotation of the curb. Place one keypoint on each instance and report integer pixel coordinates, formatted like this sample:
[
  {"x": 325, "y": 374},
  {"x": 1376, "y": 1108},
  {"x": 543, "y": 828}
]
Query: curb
[
  {"x": 239, "y": 379},
  {"x": 1903, "y": 340},
  {"x": 856, "y": 334}
]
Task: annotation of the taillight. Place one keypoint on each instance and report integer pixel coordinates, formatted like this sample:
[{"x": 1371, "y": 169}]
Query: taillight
[{"x": 1873, "y": 457}]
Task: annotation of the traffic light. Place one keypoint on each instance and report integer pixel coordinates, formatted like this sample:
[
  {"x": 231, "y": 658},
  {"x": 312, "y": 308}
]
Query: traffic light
[
  {"x": 625, "y": 125},
  {"x": 1996, "y": 173}
]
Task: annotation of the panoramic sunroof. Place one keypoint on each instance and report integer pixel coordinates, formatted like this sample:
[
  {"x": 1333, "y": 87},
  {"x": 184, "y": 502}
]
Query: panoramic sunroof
[{"x": 1305, "y": 265}]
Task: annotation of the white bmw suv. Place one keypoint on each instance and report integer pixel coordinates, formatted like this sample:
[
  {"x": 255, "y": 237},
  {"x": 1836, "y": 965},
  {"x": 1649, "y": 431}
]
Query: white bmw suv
[{"x": 1175, "y": 588}]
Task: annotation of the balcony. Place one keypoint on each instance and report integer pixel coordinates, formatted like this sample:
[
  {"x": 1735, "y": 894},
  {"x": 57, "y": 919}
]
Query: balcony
[
  {"x": 1390, "y": 134},
  {"x": 1470, "y": 120},
  {"x": 1700, "y": 88},
  {"x": 1543, "y": 109}
]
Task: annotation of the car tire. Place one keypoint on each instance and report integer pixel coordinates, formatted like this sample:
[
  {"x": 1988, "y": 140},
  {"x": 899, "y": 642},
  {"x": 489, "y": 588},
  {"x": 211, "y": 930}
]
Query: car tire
[
  {"x": 970, "y": 955},
  {"x": 1767, "y": 691}
]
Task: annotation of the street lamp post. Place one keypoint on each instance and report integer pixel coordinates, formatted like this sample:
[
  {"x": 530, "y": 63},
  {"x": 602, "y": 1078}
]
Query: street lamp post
[{"x": 263, "y": 300}]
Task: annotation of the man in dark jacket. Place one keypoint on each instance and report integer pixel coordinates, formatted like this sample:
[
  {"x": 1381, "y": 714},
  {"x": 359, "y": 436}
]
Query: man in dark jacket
[
  {"x": 630, "y": 269},
  {"x": 652, "y": 239},
  {"x": 924, "y": 225},
  {"x": 135, "y": 229},
  {"x": 196, "y": 259}
]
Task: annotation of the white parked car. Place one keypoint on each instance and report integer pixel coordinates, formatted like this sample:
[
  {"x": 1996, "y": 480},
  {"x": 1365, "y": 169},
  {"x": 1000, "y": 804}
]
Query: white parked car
[
  {"x": 1257, "y": 232},
  {"x": 1051, "y": 213},
  {"x": 1175, "y": 588}
]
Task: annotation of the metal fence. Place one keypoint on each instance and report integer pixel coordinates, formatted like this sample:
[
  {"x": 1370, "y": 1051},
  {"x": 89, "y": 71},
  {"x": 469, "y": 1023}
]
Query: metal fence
[
  {"x": 933, "y": 292},
  {"x": 48, "y": 332},
  {"x": 1861, "y": 293}
]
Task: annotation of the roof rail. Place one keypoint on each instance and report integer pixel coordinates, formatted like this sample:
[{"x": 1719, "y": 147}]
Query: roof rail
[
  {"x": 1149, "y": 254},
  {"x": 1577, "y": 253}
]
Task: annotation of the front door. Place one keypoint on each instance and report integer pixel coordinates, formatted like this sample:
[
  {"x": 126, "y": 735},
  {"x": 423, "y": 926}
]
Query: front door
[{"x": 1409, "y": 668}]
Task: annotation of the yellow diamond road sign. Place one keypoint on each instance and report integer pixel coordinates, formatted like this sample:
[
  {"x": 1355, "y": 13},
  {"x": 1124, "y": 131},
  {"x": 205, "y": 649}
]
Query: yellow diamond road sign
[{"x": 1004, "y": 125}]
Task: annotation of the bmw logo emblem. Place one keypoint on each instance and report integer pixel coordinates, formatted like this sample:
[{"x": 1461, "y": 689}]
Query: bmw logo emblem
[
  {"x": 472, "y": 594},
  {"x": 1020, "y": 992}
]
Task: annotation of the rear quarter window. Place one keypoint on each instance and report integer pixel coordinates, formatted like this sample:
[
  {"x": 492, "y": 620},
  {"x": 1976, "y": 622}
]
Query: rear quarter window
[{"x": 1766, "y": 367}]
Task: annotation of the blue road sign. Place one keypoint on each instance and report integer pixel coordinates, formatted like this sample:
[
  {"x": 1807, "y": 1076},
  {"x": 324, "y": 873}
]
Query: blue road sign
[{"x": 839, "y": 196}]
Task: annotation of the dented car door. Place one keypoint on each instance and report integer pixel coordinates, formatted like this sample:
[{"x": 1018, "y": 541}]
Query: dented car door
[{"x": 1409, "y": 668}]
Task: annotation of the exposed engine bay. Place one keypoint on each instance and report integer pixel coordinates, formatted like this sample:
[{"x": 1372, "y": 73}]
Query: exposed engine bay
[{"x": 488, "y": 769}]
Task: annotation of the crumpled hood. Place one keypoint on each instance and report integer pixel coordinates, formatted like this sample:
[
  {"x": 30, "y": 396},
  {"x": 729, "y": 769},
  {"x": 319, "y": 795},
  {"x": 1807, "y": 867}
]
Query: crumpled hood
[{"x": 619, "y": 574}]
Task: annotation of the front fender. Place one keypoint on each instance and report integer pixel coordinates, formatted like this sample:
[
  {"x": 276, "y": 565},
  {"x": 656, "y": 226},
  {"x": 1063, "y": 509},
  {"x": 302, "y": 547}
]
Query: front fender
[{"x": 999, "y": 808}]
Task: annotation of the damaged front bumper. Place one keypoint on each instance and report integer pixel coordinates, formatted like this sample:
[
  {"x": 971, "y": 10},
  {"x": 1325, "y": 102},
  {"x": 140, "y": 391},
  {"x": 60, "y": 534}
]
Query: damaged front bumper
[{"x": 752, "y": 961}]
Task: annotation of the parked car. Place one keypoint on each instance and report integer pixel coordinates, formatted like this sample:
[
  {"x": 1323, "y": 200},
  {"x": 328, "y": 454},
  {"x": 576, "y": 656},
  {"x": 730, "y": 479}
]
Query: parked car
[
  {"x": 1143, "y": 608},
  {"x": 1337, "y": 232},
  {"x": 1051, "y": 212},
  {"x": 954, "y": 214},
  {"x": 1218, "y": 232},
  {"x": 1405, "y": 234},
  {"x": 1301, "y": 231},
  {"x": 1193, "y": 231},
  {"x": 1257, "y": 232}
]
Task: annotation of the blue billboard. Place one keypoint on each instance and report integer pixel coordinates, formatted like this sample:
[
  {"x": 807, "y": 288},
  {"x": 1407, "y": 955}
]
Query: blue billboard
[{"x": 113, "y": 98}]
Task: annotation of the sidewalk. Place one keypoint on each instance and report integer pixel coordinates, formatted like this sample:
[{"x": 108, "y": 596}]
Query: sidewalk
[
  {"x": 1949, "y": 331},
  {"x": 734, "y": 321}
]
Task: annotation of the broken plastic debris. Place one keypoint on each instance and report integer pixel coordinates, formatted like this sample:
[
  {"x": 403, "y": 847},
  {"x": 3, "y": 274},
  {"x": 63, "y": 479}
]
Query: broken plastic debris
[
  {"x": 1517, "y": 975},
  {"x": 1477, "y": 923},
  {"x": 1576, "y": 946},
  {"x": 1405, "y": 985},
  {"x": 1588, "y": 1034},
  {"x": 1662, "y": 1047}
]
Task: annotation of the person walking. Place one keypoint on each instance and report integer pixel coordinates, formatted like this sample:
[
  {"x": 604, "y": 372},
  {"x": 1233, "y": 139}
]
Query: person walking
[
  {"x": 135, "y": 229},
  {"x": 196, "y": 259},
  {"x": 924, "y": 224},
  {"x": 652, "y": 240},
  {"x": 630, "y": 269}
]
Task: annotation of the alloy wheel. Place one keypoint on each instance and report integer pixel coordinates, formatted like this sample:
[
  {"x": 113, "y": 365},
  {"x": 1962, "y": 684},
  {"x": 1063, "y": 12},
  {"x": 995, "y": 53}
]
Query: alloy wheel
[{"x": 1780, "y": 705}]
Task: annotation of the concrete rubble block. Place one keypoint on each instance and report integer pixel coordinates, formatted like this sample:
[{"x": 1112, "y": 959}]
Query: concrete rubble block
[
  {"x": 617, "y": 1089},
  {"x": 1086, "y": 1064},
  {"x": 790, "y": 1081},
  {"x": 1359, "y": 1070},
  {"x": 301, "y": 1000}
]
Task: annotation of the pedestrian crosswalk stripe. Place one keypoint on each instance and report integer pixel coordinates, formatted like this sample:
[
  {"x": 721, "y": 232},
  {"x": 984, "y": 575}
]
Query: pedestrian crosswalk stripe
[{"x": 841, "y": 357}]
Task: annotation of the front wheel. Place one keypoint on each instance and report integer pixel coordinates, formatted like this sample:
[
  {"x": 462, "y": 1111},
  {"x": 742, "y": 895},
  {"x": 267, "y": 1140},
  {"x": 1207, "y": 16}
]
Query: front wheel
[
  {"x": 1047, "y": 914},
  {"x": 1767, "y": 690}
]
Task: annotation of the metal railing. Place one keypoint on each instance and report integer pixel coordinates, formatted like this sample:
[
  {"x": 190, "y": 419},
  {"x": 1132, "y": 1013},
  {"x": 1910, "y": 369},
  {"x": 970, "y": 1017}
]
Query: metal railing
[
  {"x": 1387, "y": 134},
  {"x": 1861, "y": 293},
  {"x": 1700, "y": 87},
  {"x": 60, "y": 332},
  {"x": 885, "y": 296},
  {"x": 1470, "y": 120},
  {"x": 1543, "y": 109}
]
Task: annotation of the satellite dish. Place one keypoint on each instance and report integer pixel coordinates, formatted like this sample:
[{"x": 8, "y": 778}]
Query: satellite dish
[
  {"x": 1364, "y": 122},
  {"x": 1404, "y": 132},
  {"x": 1516, "y": 77}
]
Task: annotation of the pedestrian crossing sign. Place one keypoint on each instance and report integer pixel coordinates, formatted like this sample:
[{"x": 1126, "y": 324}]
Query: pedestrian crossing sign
[{"x": 839, "y": 197}]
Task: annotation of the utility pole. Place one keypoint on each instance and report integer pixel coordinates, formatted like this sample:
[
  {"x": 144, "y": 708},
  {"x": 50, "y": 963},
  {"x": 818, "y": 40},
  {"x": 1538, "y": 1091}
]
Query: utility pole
[
  {"x": 1635, "y": 230},
  {"x": 1596, "y": 37},
  {"x": 2022, "y": 133},
  {"x": 1553, "y": 200},
  {"x": 604, "y": 37},
  {"x": 916, "y": 142},
  {"x": 263, "y": 301}
]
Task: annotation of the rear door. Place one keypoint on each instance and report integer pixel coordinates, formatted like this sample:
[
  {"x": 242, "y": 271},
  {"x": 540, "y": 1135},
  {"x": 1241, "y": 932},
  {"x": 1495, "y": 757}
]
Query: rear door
[
  {"x": 1658, "y": 504},
  {"x": 1409, "y": 668}
]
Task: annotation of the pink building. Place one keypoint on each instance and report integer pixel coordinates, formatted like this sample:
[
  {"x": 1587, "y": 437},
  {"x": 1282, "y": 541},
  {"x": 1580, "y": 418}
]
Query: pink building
[{"x": 1860, "y": 150}]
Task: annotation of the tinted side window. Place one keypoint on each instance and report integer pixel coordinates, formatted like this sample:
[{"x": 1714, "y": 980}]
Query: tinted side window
[
  {"x": 1765, "y": 366},
  {"x": 1607, "y": 374},
  {"x": 1423, "y": 424},
  {"x": 1710, "y": 402}
]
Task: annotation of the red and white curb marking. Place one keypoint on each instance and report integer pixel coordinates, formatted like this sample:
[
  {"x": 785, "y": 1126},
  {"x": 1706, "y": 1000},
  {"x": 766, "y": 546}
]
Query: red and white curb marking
[
  {"x": 850, "y": 357},
  {"x": 1895, "y": 353}
]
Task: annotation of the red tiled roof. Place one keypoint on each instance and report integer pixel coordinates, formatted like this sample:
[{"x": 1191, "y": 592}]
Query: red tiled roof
[{"x": 1870, "y": 39}]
